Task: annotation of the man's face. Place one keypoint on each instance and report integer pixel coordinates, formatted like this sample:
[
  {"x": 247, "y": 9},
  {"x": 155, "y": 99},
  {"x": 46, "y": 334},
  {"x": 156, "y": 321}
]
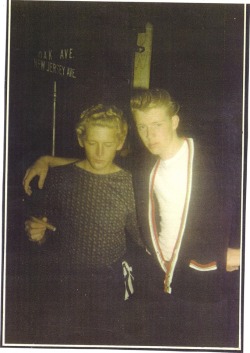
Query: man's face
[
  {"x": 157, "y": 131},
  {"x": 101, "y": 144}
]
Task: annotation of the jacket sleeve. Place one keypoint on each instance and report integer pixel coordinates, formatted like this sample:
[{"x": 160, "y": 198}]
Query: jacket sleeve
[
  {"x": 206, "y": 234},
  {"x": 131, "y": 226}
]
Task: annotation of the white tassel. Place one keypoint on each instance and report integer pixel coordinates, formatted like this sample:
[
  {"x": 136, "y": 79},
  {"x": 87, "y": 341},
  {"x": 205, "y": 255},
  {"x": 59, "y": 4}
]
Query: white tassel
[{"x": 128, "y": 279}]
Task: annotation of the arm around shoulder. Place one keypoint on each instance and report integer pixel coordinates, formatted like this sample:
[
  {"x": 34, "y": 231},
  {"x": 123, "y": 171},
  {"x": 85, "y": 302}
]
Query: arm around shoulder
[{"x": 40, "y": 168}]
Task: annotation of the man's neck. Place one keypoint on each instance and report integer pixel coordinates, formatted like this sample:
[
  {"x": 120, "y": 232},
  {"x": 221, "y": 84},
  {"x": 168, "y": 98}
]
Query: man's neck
[{"x": 175, "y": 147}]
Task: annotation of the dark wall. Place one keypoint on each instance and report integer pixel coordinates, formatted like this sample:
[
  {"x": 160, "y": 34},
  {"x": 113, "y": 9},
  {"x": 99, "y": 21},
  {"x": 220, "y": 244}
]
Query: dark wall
[{"x": 197, "y": 55}]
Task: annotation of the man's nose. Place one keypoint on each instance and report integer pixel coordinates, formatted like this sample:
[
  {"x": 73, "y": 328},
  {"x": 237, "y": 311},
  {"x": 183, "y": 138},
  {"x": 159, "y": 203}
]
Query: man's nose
[
  {"x": 99, "y": 150},
  {"x": 149, "y": 133}
]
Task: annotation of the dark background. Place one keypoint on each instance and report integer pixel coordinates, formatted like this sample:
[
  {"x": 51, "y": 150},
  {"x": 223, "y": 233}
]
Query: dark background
[{"x": 197, "y": 55}]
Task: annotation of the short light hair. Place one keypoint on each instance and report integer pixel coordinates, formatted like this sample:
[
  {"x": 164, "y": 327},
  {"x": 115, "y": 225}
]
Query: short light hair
[
  {"x": 102, "y": 115},
  {"x": 145, "y": 99}
]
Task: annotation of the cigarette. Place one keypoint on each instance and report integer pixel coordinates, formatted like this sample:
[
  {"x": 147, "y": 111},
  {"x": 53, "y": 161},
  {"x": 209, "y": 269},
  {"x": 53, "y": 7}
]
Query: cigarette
[{"x": 47, "y": 225}]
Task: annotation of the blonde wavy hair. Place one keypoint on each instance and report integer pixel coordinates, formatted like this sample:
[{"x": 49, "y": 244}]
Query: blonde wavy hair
[{"x": 102, "y": 115}]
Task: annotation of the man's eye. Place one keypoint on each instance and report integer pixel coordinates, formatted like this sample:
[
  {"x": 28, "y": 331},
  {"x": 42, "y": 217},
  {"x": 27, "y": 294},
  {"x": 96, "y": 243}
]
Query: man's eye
[
  {"x": 141, "y": 128},
  {"x": 91, "y": 143},
  {"x": 108, "y": 144}
]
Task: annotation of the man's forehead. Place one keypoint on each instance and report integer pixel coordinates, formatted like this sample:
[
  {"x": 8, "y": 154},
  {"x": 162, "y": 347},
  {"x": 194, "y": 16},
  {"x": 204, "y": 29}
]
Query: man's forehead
[
  {"x": 95, "y": 129},
  {"x": 151, "y": 114}
]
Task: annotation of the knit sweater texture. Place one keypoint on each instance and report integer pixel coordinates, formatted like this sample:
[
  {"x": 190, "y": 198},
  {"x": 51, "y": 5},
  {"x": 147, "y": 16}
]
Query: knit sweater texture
[{"x": 93, "y": 213}]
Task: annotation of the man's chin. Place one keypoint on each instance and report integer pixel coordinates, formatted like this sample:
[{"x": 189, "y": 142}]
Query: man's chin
[{"x": 153, "y": 151}]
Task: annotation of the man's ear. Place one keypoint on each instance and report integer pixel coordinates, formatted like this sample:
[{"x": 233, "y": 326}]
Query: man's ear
[
  {"x": 119, "y": 147},
  {"x": 80, "y": 138},
  {"x": 175, "y": 121}
]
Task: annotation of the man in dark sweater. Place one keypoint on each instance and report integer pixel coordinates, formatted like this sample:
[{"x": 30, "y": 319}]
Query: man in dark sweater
[{"x": 82, "y": 274}]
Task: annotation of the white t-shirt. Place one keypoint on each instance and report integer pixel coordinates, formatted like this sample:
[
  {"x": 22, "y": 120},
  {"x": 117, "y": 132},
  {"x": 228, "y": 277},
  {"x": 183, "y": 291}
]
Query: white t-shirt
[{"x": 170, "y": 188}]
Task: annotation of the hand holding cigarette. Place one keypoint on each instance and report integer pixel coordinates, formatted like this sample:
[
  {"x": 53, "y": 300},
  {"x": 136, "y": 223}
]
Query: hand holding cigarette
[
  {"x": 36, "y": 228},
  {"x": 43, "y": 222}
]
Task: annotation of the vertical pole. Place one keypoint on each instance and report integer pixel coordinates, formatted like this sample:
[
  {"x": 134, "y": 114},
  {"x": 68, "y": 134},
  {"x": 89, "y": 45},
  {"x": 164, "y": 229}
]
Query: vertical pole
[
  {"x": 142, "y": 61},
  {"x": 54, "y": 121}
]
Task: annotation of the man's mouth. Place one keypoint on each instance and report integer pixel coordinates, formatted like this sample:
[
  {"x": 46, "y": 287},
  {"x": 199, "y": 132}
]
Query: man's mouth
[{"x": 152, "y": 145}]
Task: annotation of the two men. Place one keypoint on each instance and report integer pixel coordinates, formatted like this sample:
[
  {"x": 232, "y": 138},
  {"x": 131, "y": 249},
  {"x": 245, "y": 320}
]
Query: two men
[{"x": 183, "y": 216}]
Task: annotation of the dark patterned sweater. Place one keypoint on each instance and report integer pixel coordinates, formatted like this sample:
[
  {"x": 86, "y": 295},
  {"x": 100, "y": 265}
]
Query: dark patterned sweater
[{"x": 92, "y": 214}]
